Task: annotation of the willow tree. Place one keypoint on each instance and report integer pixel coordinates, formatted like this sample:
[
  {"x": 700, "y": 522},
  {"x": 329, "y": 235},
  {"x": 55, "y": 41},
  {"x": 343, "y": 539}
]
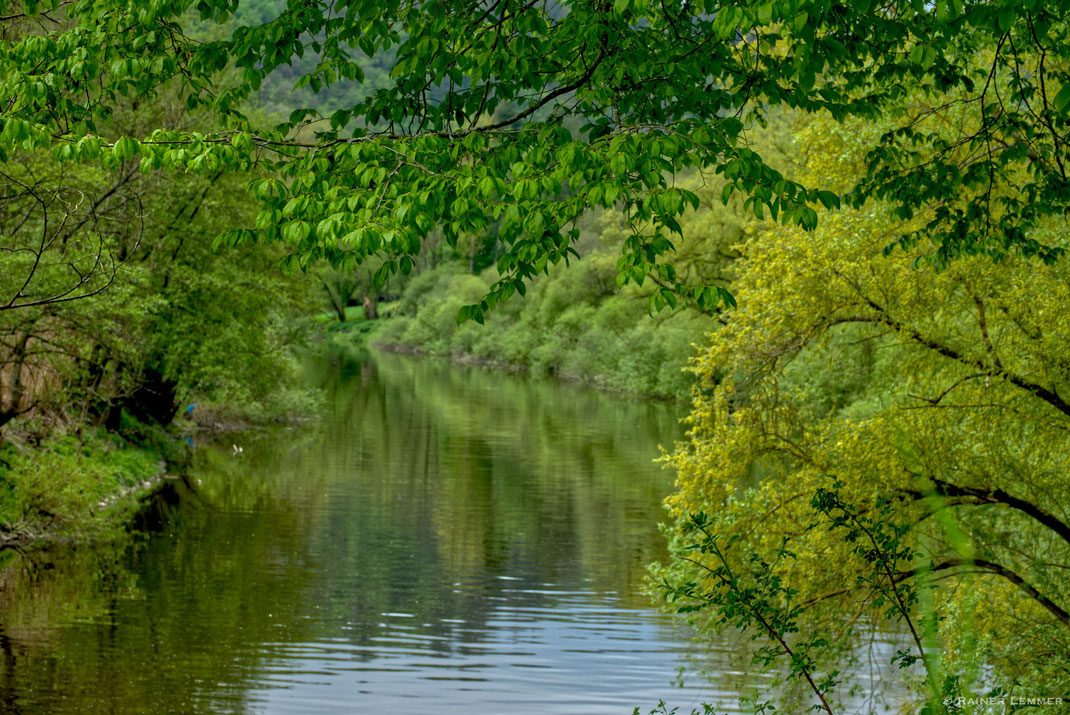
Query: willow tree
[{"x": 527, "y": 114}]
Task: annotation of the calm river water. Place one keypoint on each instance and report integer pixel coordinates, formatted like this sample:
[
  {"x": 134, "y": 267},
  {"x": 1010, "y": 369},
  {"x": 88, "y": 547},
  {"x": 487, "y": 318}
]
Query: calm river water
[{"x": 444, "y": 540}]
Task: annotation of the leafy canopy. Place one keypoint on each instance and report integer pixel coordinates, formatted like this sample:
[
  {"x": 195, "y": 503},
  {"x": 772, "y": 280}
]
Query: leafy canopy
[
  {"x": 903, "y": 438},
  {"x": 527, "y": 114}
]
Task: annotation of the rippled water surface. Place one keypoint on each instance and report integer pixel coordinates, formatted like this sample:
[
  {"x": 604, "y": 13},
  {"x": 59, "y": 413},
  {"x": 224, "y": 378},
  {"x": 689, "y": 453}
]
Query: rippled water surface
[{"x": 444, "y": 540}]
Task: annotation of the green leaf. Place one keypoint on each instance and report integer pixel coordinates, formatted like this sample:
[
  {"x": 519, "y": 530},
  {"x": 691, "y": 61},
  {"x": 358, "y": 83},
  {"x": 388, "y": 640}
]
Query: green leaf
[
  {"x": 125, "y": 148},
  {"x": 1005, "y": 19},
  {"x": 1062, "y": 100},
  {"x": 828, "y": 199}
]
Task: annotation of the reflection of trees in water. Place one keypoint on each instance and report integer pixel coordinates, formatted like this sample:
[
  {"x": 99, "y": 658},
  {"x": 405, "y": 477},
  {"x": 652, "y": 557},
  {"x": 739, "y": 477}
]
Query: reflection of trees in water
[
  {"x": 523, "y": 469},
  {"x": 423, "y": 486},
  {"x": 165, "y": 625}
]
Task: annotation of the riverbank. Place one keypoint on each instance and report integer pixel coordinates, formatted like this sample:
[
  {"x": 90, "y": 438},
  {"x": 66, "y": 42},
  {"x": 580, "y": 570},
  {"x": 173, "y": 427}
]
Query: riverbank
[
  {"x": 67, "y": 483},
  {"x": 469, "y": 360},
  {"x": 73, "y": 487},
  {"x": 647, "y": 369},
  {"x": 569, "y": 326}
]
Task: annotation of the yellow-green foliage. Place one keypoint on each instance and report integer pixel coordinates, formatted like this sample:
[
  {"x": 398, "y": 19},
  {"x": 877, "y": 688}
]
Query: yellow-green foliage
[{"x": 897, "y": 380}]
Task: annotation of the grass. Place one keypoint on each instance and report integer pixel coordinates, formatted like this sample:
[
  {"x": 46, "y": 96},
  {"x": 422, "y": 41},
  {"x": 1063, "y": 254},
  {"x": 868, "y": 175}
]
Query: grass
[{"x": 71, "y": 486}]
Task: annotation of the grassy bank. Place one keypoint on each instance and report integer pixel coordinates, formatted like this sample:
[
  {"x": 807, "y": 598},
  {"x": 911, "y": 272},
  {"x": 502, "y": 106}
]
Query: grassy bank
[
  {"x": 66, "y": 481},
  {"x": 354, "y": 330},
  {"x": 72, "y": 486}
]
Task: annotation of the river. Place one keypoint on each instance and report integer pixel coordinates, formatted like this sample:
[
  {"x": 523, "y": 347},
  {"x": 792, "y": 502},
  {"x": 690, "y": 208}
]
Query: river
[{"x": 444, "y": 540}]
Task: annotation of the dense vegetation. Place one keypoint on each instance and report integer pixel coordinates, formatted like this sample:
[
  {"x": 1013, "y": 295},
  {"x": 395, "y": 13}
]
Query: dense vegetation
[
  {"x": 879, "y": 410},
  {"x": 896, "y": 435},
  {"x": 575, "y": 323},
  {"x": 578, "y": 322},
  {"x": 115, "y": 314}
]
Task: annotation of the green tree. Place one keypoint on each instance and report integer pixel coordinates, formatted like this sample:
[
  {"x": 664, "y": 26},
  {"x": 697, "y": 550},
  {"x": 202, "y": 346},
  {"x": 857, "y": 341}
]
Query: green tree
[
  {"x": 529, "y": 114},
  {"x": 901, "y": 434},
  {"x": 342, "y": 287}
]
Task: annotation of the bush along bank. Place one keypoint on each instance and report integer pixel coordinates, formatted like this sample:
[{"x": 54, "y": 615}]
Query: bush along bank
[{"x": 573, "y": 324}]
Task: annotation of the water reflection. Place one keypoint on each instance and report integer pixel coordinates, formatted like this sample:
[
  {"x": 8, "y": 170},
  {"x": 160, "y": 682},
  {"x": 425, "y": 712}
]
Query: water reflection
[{"x": 444, "y": 540}]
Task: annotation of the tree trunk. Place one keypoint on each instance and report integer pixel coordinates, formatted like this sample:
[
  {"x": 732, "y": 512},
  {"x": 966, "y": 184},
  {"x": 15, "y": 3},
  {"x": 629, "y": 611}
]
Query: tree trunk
[
  {"x": 16, "y": 390},
  {"x": 338, "y": 302},
  {"x": 371, "y": 307}
]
